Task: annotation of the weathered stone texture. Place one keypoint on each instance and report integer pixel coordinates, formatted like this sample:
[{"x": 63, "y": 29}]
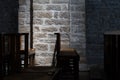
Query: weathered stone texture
[
  {"x": 41, "y": 47},
  {"x": 53, "y": 7},
  {"x": 64, "y": 7},
  {"x": 101, "y": 16},
  {"x": 64, "y": 15},
  {"x": 53, "y": 16},
  {"x": 49, "y": 29},
  {"x": 22, "y": 14},
  {"x": 37, "y": 21},
  {"x": 24, "y": 29},
  {"x": 41, "y": 1},
  {"x": 60, "y": 1},
  {"x": 65, "y": 29},
  {"x": 57, "y": 22},
  {"x": 40, "y": 35},
  {"x": 52, "y": 47},
  {"x": 21, "y": 21},
  {"x": 36, "y": 29},
  {"x": 22, "y": 8},
  {"x": 37, "y": 7},
  {"x": 77, "y": 27},
  {"x": 56, "y": 14},
  {"x": 43, "y": 14},
  {"x": 43, "y": 61}
]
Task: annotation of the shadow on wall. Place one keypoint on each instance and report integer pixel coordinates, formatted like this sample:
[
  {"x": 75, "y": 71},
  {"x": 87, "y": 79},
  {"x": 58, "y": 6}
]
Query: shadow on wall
[
  {"x": 9, "y": 16},
  {"x": 101, "y": 16}
]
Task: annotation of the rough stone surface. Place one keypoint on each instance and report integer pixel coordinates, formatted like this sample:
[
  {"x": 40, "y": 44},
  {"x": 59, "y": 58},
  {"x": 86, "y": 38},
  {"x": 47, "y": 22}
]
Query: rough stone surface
[
  {"x": 49, "y": 17},
  {"x": 101, "y": 16},
  {"x": 42, "y": 47},
  {"x": 60, "y": 1},
  {"x": 43, "y": 14},
  {"x": 57, "y": 22},
  {"x": 41, "y": 1}
]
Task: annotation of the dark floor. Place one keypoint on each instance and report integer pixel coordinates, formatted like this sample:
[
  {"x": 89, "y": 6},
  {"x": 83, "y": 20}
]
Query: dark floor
[
  {"x": 40, "y": 76},
  {"x": 92, "y": 74},
  {"x": 37, "y": 76}
]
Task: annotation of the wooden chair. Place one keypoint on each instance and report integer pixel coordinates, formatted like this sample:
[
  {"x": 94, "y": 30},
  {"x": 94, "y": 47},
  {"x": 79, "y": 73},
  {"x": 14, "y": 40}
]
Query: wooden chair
[
  {"x": 53, "y": 67},
  {"x": 67, "y": 61},
  {"x": 10, "y": 48}
]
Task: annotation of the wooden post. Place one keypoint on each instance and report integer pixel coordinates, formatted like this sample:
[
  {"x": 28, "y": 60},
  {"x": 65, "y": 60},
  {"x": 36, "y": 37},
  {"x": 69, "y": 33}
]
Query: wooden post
[
  {"x": 26, "y": 51},
  {"x": 31, "y": 23}
]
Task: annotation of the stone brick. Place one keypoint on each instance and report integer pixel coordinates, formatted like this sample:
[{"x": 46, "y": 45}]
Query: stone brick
[
  {"x": 53, "y": 7},
  {"x": 64, "y": 7},
  {"x": 77, "y": 15},
  {"x": 41, "y": 47},
  {"x": 24, "y": 29},
  {"x": 22, "y": 15},
  {"x": 22, "y": 2},
  {"x": 78, "y": 39},
  {"x": 38, "y": 21},
  {"x": 65, "y": 36},
  {"x": 49, "y": 40},
  {"x": 43, "y": 14},
  {"x": 27, "y": 21},
  {"x": 27, "y": 14},
  {"x": 78, "y": 28},
  {"x": 78, "y": 2},
  {"x": 43, "y": 61},
  {"x": 37, "y": 7},
  {"x": 57, "y": 22},
  {"x": 65, "y": 29},
  {"x": 80, "y": 8},
  {"x": 60, "y": 1},
  {"x": 49, "y": 29},
  {"x": 52, "y": 47},
  {"x": 22, "y": 8},
  {"x": 41, "y": 1},
  {"x": 21, "y": 21},
  {"x": 44, "y": 54},
  {"x": 56, "y": 14},
  {"x": 51, "y": 35},
  {"x": 77, "y": 21},
  {"x": 40, "y": 35},
  {"x": 65, "y": 41},
  {"x": 64, "y": 15},
  {"x": 36, "y": 29}
]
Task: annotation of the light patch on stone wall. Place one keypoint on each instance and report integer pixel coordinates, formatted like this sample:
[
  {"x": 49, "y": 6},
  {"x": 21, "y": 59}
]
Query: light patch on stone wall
[{"x": 49, "y": 17}]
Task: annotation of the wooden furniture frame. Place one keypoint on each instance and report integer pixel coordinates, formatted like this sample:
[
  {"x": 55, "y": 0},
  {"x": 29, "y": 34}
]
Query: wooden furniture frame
[
  {"x": 67, "y": 61},
  {"x": 10, "y": 52}
]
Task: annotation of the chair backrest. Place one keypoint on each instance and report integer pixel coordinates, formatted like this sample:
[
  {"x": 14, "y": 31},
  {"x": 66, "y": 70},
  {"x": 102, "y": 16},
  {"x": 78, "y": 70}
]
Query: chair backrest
[
  {"x": 1, "y": 59},
  {"x": 10, "y": 48},
  {"x": 56, "y": 49}
]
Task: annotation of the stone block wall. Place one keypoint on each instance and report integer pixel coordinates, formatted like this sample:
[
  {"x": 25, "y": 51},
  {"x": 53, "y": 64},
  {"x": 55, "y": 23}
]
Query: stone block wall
[
  {"x": 77, "y": 26},
  {"x": 49, "y": 17},
  {"x": 101, "y": 16}
]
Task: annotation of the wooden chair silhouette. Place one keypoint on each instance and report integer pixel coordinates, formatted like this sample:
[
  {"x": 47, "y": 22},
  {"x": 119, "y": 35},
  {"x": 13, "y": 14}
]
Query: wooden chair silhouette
[
  {"x": 67, "y": 61},
  {"x": 11, "y": 54}
]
